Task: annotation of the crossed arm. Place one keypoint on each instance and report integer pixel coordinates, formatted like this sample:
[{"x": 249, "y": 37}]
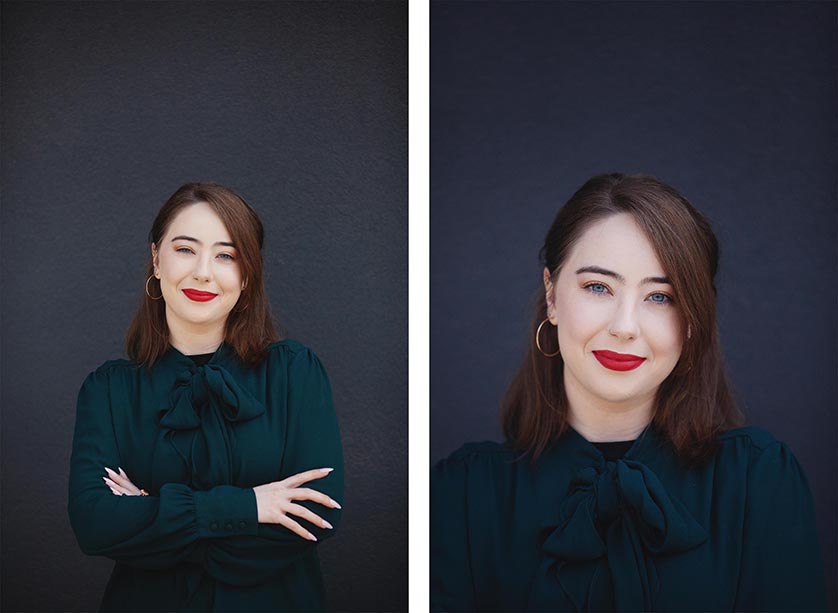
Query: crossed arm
[
  {"x": 274, "y": 501},
  {"x": 240, "y": 536}
]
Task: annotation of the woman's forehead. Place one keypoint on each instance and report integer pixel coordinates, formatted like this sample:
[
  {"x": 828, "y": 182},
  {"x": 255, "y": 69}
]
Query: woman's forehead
[
  {"x": 199, "y": 221},
  {"x": 617, "y": 244}
]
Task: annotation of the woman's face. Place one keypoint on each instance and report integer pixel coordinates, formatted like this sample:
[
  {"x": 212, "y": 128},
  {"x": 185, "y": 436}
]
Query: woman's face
[
  {"x": 196, "y": 255},
  {"x": 611, "y": 295}
]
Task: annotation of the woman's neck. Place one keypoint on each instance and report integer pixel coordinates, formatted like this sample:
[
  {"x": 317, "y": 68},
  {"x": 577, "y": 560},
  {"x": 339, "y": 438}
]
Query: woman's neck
[
  {"x": 601, "y": 421},
  {"x": 193, "y": 340}
]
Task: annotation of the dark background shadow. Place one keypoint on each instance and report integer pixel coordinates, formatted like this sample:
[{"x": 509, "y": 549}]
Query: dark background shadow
[
  {"x": 736, "y": 105},
  {"x": 107, "y": 108}
]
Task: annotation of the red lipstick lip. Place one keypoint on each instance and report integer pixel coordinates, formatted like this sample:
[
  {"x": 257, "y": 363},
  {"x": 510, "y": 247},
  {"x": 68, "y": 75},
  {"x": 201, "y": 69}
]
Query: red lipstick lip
[
  {"x": 618, "y": 361},
  {"x": 199, "y": 296}
]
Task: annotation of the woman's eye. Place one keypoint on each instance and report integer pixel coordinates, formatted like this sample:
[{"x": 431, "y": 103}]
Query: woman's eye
[
  {"x": 596, "y": 288},
  {"x": 659, "y": 298},
  {"x": 226, "y": 256},
  {"x": 183, "y": 250}
]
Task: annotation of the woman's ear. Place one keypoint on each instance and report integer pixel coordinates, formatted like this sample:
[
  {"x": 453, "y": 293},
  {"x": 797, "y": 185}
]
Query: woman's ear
[{"x": 549, "y": 296}]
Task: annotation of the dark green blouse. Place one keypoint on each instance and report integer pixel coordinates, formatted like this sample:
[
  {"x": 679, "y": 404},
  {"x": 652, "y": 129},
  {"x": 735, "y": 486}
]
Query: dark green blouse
[
  {"x": 645, "y": 532},
  {"x": 198, "y": 438}
]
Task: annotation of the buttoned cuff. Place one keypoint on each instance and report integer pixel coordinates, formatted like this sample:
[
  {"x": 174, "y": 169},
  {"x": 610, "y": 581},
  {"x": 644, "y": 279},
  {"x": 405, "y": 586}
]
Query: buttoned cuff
[{"x": 226, "y": 510}]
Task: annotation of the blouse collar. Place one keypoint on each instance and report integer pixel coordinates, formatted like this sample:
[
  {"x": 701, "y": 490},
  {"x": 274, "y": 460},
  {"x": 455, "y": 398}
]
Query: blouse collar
[
  {"x": 573, "y": 445},
  {"x": 175, "y": 358}
]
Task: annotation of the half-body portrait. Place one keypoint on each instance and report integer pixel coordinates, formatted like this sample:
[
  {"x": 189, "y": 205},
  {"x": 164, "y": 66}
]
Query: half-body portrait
[
  {"x": 634, "y": 337},
  {"x": 208, "y": 464},
  {"x": 204, "y": 355},
  {"x": 627, "y": 481}
]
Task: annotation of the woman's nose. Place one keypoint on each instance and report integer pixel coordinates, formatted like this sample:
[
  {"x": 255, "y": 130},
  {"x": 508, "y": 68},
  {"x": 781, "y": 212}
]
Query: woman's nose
[
  {"x": 203, "y": 270},
  {"x": 624, "y": 321}
]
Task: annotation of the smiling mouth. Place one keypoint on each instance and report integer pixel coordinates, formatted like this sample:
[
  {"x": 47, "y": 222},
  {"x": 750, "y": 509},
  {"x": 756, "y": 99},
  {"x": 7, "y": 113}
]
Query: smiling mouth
[
  {"x": 618, "y": 361},
  {"x": 199, "y": 296}
]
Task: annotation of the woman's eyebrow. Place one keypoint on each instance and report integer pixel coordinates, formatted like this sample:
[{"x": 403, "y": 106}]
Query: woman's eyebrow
[
  {"x": 195, "y": 240},
  {"x": 610, "y": 273}
]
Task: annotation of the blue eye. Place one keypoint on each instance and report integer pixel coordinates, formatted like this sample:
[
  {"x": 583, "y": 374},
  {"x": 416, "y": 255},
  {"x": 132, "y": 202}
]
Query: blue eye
[
  {"x": 226, "y": 256},
  {"x": 597, "y": 288},
  {"x": 660, "y": 298},
  {"x": 183, "y": 249}
]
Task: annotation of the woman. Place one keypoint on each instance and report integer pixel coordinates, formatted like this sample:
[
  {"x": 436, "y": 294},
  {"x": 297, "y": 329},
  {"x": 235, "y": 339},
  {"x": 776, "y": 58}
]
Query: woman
[
  {"x": 626, "y": 482},
  {"x": 207, "y": 465}
]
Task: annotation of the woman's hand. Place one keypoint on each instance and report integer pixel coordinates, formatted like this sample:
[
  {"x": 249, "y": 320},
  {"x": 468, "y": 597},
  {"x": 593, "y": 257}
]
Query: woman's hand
[
  {"x": 274, "y": 502},
  {"x": 121, "y": 485}
]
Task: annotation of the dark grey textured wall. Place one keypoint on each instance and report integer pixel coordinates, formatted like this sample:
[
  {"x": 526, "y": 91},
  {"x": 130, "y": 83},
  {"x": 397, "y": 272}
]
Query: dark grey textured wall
[
  {"x": 735, "y": 104},
  {"x": 106, "y": 109}
]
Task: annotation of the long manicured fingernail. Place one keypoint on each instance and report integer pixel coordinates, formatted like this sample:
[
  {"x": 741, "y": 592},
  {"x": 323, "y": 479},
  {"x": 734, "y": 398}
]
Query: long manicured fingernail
[
  {"x": 311, "y": 537},
  {"x": 109, "y": 471},
  {"x": 327, "y": 524},
  {"x": 335, "y": 504},
  {"x": 326, "y": 470},
  {"x": 122, "y": 472}
]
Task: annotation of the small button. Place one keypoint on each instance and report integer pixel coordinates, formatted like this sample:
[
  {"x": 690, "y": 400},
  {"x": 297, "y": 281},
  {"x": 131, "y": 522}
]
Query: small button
[
  {"x": 242, "y": 525},
  {"x": 228, "y": 526},
  {"x": 214, "y": 525}
]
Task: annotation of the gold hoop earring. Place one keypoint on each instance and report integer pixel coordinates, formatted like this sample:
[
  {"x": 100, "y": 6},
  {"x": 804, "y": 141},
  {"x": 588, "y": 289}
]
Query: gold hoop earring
[
  {"x": 148, "y": 294},
  {"x": 538, "y": 343}
]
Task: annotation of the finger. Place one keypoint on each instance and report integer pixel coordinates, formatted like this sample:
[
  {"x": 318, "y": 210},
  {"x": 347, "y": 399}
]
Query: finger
[
  {"x": 296, "y": 528},
  {"x": 309, "y": 475},
  {"x": 122, "y": 480},
  {"x": 305, "y": 493},
  {"x": 116, "y": 477},
  {"x": 116, "y": 489},
  {"x": 131, "y": 489},
  {"x": 301, "y": 511}
]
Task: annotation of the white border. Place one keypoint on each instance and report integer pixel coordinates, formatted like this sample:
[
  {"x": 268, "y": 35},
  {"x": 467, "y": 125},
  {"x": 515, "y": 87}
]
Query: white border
[{"x": 418, "y": 301}]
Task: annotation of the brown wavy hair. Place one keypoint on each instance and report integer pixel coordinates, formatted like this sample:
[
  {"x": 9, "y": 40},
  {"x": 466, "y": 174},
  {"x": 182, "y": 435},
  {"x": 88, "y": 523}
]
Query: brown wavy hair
[
  {"x": 695, "y": 402},
  {"x": 249, "y": 328}
]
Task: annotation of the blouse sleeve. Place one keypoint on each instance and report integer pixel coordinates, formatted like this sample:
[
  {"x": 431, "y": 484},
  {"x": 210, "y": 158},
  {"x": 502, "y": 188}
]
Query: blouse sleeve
[
  {"x": 451, "y": 581},
  {"x": 145, "y": 531},
  {"x": 312, "y": 441},
  {"x": 781, "y": 568}
]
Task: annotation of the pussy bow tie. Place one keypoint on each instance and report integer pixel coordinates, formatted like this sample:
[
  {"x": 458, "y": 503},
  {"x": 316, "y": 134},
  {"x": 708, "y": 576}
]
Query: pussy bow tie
[
  {"x": 204, "y": 404},
  {"x": 615, "y": 519}
]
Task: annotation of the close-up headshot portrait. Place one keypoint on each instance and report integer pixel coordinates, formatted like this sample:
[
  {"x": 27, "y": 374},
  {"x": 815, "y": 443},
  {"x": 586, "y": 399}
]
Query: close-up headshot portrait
[
  {"x": 204, "y": 373},
  {"x": 633, "y": 322}
]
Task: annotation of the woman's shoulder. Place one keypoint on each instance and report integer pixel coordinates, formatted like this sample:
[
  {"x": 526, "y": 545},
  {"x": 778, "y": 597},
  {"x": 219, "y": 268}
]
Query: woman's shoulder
[
  {"x": 108, "y": 367},
  {"x": 759, "y": 453},
  {"x": 476, "y": 458},
  {"x": 106, "y": 376},
  {"x": 287, "y": 346},
  {"x": 481, "y": 451},
  {"x": 292, "y": 355},
  {"x": 290, "y": 350},
  {"x": 750, "y": 436}
]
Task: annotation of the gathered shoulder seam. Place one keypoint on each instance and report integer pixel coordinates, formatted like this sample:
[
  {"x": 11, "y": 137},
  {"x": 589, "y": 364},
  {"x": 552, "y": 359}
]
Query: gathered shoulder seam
[
  {"x": 110, "y": 365},
  {"x": 482, "y": 448},
  {"x": 759, "y": 438},
  {"x": 290, "y": 345}
]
